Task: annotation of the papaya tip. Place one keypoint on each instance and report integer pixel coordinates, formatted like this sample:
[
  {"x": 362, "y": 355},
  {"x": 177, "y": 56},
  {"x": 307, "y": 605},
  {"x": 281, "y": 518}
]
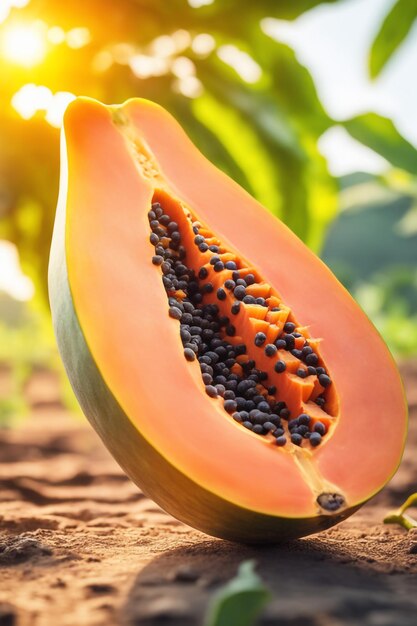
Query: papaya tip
[{"x": 331, "y": 502}]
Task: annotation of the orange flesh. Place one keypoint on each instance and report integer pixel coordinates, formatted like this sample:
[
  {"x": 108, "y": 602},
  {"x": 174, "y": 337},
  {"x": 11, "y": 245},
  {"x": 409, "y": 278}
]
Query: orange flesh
[{"x": 119, "y": 300}]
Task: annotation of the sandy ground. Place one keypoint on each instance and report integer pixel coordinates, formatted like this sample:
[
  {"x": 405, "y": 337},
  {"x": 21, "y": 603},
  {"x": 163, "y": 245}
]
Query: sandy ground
[{"x": 80, "y": 545}]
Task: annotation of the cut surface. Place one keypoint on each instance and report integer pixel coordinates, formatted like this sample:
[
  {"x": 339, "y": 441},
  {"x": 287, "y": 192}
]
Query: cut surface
[
  {"x": 251, "y": 350},
  {"x": 117, "y": 161}
]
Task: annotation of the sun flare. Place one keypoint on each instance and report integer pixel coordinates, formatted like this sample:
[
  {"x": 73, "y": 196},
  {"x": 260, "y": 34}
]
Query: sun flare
[{"x": 23, "y": 44}]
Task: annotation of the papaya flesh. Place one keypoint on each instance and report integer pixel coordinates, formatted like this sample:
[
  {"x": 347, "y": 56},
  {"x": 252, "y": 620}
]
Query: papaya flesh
[{"x": 226, "y": 369}]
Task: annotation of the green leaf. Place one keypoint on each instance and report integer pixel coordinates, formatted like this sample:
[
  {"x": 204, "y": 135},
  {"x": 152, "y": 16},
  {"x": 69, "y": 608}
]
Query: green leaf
[
  {"x": 392, "y": 33},
  {"x": 240, "y": 601},
  {"x": 380, "y": 134},
  {"x": 242, "y": 143}
]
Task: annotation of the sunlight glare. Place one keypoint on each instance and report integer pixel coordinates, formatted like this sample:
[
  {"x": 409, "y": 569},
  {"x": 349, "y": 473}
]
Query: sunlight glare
[
  {"x": 78, "y": 37},
  {"x": 12, "y": 279},
  {"x": 203, "y": 44},
  {"x": 182, "y": 67},
  {"x": 241, "y": 61},
  {"x": 56, "y": 35},
  {"x": 24, "y": 44},
  {"x": 31, "y": 99}
]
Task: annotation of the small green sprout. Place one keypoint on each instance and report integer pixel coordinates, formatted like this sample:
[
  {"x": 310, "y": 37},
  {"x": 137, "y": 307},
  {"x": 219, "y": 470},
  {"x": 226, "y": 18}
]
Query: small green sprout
[{"x": 399, "y": 516}]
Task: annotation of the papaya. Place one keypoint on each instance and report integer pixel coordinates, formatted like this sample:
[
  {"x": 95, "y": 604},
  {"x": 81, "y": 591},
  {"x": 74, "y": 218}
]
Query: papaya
[{"x": 226, "y": 369}]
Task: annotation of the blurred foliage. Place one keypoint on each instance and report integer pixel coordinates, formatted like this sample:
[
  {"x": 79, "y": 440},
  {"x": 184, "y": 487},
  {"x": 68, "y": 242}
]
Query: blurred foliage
[
  {"x": 262, "y": 129},
  {"x": 26, "y": 344},
  {"x": 394, "y": 29},
  {"x": 374, "y": 253},
  {"x": 240, "y": 601}
]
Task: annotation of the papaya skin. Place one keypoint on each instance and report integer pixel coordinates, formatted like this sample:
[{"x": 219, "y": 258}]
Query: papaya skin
[{"x": 182, "y": 494}]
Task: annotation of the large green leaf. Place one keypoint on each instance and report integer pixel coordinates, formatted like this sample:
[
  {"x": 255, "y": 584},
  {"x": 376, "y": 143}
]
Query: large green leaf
[
  {"x": 392, "y": 33},
  {"x": 380, "y": 134}
]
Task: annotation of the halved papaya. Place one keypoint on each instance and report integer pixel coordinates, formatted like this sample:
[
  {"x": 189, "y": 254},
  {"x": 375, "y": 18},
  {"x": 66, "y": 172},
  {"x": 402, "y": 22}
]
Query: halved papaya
[{"x": 224, "y": 366}]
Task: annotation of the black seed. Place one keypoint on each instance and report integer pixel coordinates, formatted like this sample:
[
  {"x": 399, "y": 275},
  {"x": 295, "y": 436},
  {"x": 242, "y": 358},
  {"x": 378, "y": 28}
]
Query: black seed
[
  {"x": 219, "y": 266},
  {"x": 272, "y": 390},
  {"x": 154, "y": 224},
  {"x": 220, "y": 389},
  {"x": 172, "y": 226},
  {"x": 258, "y": 429},
  {"x": 239, "y": 292},
  {"x": 311, "y": 370},
  {"x": 207, "y": 379},
  {"x": 185, "y": 335},
  {"x": 164, "y": 220},
  {"x": 302, "y": 430},
  {"x": 235, "y": 275},
  {"x": 296, "y": 439},
  {"x": 293, "y": 424},
  {"x": 278, "y": 432},
  {"x": 214, "y": 259},
  {"x": 303, "y": 418},
  {"x": 320, "y": 428},
  {"x": 248, "y": 425},
  {"x": 229, "y": 395},
  {"x": 214, "y": 248},
  {"x": 237, "y": 417},
  {"x": 320, "y": 370},
  {"x": 230, "y": 265},
  {"x": 203, "y": 247},
  {"x": 157, "y": 259},
  {"x": 230, "y": 284},
  {"x": 270, "y": 349},
  {"x": 230, "y": 406},
  {"x": 301, "y": 373},
  {"x": 315, "y": 439},
  {"x": 154, "y": 239},
  {"x": 280, "y": 367},
  {"x": 211, "y": 391},
  {"x": 151, "y": 215},
  {"x": 289, "y": 342},
  {"x": 175, "y": 313},
  {"x": 207, "y": 288},
  {"x": 268, "y": 426},
  {"x": 281, "y": 440},
  {"x": 189, "y": 354},
  {"x": 198, "y": 239},
  {"x": 320, "y": 401},
  {"x": 324, "y": 380},
  {"x": 297, "y": 353},
  {"x": 281, "y": 344},
  {"x": 260, "y": 301},
  {"x": 285, "y": 413},
  {"x": 263, "y": 406},
  {"x": 221, "y": 294},
  {"x": 230, "y": 330},
  {"x": 312, "y": 359},
  {"x": 249, "y": 279},
  {"x": 260, "y": 338},
  {"x": 289, "y": 327},
  {"x": 249, "y": 300},
  {"x": 240, "y": 348},
  {"x": 203, "y": 273}
]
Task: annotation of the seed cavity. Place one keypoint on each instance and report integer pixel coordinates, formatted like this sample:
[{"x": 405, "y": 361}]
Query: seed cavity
[{"x": 252, "y": 353}]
